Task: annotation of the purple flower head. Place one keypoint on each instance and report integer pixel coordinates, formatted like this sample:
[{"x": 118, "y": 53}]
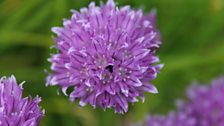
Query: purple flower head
[
  {"x": 206, "y": 103},
  {"x": 172, "y": 119},
  {"x": 107, "y": 55},
  {"x": 15, "y": 110}
]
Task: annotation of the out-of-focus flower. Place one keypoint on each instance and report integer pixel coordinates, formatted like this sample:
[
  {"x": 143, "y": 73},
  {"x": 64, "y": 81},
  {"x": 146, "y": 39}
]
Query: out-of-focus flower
[
  {"x": 204, "y": 107},
  {"x": 15, "y": 110},
  {"x": 205, "y": 103},
  {"x": 172, "y": 119},
  {"x": 107, "y": 54}
]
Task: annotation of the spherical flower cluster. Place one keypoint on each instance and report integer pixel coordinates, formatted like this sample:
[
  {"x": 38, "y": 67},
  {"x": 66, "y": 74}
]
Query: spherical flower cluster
[
  {"x": 172, "y": 119},
  {"x": 204, "y": 107},
  {"x": 206, "y": 103},
  {"x": 107, "y": 55},
  {"x": 15, "y": 110}
]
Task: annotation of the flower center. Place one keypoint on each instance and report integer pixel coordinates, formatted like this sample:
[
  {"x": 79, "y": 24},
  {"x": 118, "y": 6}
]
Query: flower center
[
  {"x": 107, "y": 76},
  {"x": 109, "y": 68}
]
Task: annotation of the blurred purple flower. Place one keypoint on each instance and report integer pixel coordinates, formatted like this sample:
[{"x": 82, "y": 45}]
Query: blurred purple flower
[
  {"x": 204, "y": 107},
  {"x": 172, "y": 119},
  {"x": 107, "y": 54},
  {"x": 15, "y": 110},
  {"x": 206, "y": 103}
]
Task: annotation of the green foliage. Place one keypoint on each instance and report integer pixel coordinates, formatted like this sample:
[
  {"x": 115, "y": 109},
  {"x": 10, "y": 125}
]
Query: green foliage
[{"x": 193, "y": 49}]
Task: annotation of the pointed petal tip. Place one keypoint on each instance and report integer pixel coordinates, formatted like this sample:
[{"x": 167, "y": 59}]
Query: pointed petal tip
[
  {"x": 37, "y": 99},
  {"x": 161, "y": 66},
  {"x": 64, "y": 90},
  {"x": 13, "y": 78},
  {"x": 52, "y": 81},
  {"x": 56, "y": 30},
  {"x": 111, "y": 2},
  {"x": 43, "y": 112},
  {"x": 143, "y": 99},
  {"x": 82, "y": 103},
  {"x": 154, "y": 90},
  {"x": 135, "y": 100},
  {"x": 21, "y": 84},
  {"x": 92, "y": 4}
]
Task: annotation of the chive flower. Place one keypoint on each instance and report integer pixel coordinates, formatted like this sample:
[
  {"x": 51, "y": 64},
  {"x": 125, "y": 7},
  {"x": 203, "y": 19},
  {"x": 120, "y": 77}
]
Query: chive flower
[
  {"x": 106, "y": 54},
  {"x": 15, "y": 110},
  {"x": 172, "y": 119},
  {"x": 205, "y": 103}
]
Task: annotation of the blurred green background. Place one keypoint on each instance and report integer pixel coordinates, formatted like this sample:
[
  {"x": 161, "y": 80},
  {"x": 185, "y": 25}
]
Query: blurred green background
[{"x": 192, "y": 49}]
